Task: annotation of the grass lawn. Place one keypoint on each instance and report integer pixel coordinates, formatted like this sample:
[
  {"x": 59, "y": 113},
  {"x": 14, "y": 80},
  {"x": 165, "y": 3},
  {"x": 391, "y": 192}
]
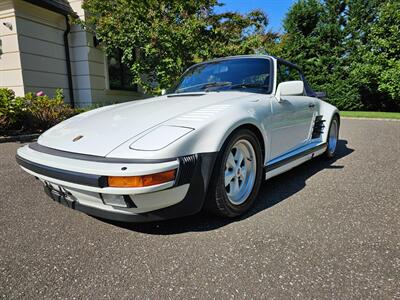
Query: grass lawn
[{"x": 370, "y": 114}]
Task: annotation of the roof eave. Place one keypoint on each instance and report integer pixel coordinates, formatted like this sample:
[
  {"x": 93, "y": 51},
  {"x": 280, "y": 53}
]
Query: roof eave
[{"x": 57, "y": 7}]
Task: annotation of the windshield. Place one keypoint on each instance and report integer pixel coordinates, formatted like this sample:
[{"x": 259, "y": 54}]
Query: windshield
[{"x": 250, "y": 74}]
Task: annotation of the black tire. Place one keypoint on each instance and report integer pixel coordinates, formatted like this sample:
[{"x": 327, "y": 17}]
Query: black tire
[
  {"x": 330, "y": 150},
  {"x": 218, "y": 201}
]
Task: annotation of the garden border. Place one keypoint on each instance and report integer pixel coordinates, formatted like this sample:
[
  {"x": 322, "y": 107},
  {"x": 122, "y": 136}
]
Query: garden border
[{"x": 19, "y": 138}]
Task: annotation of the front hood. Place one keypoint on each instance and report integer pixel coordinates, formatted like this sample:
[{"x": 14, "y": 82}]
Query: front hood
[{"x": 100, "y": 131}]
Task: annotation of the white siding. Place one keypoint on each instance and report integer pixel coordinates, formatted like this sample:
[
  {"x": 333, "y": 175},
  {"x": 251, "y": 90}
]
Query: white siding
[
  {"x": 9, "y": 40},
  {"x": 81, "y": 82},
  {"x": 10, "y": 64},
  {"x": 34, "y": 28},
  {"x": 80, "y": 65},
  {"x": 45, "y": 79},
  {"x": 10, "y": 61},
  {"x": 34, "y": 62},
  {"x": 41, "y": 46},
  {"x": 10, "y": 78}
]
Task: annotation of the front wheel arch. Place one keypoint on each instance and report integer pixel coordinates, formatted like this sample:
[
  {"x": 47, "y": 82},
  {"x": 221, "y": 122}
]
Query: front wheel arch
[
  {"x": 253, "y": 128},
  {"x": 217, "y": 201}
]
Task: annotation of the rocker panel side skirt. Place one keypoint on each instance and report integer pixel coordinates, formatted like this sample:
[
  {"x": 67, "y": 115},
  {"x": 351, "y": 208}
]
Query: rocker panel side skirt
[{"x": 292, "y": 161}]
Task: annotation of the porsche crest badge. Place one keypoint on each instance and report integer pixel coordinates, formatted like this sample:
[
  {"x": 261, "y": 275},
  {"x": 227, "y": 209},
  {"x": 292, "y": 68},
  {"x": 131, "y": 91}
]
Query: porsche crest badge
[{"x": 77, "y": 138}]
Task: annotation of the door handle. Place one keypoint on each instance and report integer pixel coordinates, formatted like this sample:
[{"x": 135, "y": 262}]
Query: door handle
[{"x": 311, "y": 105}]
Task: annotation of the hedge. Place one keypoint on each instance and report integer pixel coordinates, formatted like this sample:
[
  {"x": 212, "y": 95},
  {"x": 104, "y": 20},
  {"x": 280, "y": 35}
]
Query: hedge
[{"x": 33, "y": 112}]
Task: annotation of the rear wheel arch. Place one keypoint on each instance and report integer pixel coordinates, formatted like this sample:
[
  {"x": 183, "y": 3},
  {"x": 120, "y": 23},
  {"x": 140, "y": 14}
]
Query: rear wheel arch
[
  {"x": 332, "y": 136},
  {"x": 328, "y": 124},
  {"x": 336, "y": 114}
]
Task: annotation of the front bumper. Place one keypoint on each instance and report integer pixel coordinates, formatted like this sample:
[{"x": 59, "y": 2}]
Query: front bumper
[{"x": 79, "y": 183}]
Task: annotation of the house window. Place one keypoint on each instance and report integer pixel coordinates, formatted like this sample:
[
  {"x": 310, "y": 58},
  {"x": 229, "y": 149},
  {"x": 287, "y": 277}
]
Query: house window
[{"x": 119, "y": 75}]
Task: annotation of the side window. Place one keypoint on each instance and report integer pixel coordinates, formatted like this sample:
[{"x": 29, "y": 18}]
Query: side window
[
  {"x": 287, "y": 73},
  {"x": 307, "y": 88}
]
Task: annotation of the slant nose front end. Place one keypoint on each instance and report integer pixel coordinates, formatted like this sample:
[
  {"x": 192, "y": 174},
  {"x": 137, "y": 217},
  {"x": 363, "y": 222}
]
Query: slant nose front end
[{"x": 120, "y": 189}]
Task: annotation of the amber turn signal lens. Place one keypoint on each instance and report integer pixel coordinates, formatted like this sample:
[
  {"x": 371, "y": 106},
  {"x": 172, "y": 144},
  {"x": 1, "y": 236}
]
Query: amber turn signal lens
[{"x": 141, "y": 181}]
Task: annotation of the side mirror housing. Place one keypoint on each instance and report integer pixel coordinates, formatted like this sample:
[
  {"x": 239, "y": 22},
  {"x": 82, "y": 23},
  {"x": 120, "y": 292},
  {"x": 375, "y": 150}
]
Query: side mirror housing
[{"x": 289, "y": 88}]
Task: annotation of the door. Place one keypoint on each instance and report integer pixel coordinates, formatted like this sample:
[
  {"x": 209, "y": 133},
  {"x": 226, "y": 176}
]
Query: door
[{"x": 292, "y": 117}]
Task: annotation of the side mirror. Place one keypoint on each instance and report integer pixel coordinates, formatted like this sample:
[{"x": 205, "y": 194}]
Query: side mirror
[
  {"x": 163, "y": 91},
  {"x": 289, "y": 88}
]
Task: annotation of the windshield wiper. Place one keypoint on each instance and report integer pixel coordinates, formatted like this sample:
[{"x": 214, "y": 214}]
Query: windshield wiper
[
  {"x": 188, "y": 87},
  {"x": 249, "y": 85},
  {"x": 204, "y": 86},
  {"x": 215, "y": 84}
]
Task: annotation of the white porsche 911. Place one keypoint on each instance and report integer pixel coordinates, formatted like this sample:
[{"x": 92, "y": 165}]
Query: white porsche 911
[{"x": 228, "y": 124}]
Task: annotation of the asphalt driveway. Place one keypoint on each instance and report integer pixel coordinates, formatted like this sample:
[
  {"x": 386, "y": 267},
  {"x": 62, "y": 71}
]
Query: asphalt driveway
[{"x": 322, "y": 230}]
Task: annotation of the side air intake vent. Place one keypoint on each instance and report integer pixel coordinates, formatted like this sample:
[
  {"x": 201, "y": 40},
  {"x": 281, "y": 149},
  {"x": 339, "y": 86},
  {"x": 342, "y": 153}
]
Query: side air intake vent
[
  {"x": 186, "y": 169},
  {"x": 318, "y": 127}
]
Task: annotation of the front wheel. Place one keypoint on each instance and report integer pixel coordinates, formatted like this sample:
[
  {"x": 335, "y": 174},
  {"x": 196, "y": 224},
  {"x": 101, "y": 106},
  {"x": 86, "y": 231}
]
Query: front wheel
[{"x": 237, "y": 175}]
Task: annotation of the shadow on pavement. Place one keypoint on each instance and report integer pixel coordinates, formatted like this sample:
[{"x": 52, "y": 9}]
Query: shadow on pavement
[{"x": 272, "y": 192}]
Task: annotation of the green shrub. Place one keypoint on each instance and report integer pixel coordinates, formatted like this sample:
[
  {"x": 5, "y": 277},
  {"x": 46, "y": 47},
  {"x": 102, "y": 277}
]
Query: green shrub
[
  {"x": 6, "y": 95},
  {"x": 32, "y": 113},
  {"x": 11, "y": 110},
  {"x": 59, "y": 94},
  {"x": 44, "y": 112}
]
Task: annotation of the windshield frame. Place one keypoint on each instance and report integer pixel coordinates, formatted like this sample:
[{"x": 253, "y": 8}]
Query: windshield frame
[{"x": 260, "y": 91}]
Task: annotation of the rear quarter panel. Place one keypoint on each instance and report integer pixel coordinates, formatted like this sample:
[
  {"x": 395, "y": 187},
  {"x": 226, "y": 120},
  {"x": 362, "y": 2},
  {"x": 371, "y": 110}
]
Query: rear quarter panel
[{"x": 327, "y": 111}]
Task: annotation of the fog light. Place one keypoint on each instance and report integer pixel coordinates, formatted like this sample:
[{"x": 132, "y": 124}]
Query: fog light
[
  {"x": 141, "y": 181},
  {"x": 114, "y": 200},
  {"x": 118, "y": 200}
]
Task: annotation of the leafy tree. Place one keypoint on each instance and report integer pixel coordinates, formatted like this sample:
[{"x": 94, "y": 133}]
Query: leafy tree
[
  {"x": 313, "y": 39},
  {"x": 348, "y": 48},
  {"x": 159, "y": 38},
  {"x": 375, "y": 57},
  {"x": 235, "y": 34}
]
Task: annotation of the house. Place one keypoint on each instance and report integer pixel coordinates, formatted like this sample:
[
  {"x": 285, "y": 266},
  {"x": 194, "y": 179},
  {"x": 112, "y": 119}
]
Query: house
[{"x": 40, "y": 50}]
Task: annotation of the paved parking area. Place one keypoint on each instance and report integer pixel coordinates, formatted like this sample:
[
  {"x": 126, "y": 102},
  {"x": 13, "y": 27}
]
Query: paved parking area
[{"x": 322, "y": 230}]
